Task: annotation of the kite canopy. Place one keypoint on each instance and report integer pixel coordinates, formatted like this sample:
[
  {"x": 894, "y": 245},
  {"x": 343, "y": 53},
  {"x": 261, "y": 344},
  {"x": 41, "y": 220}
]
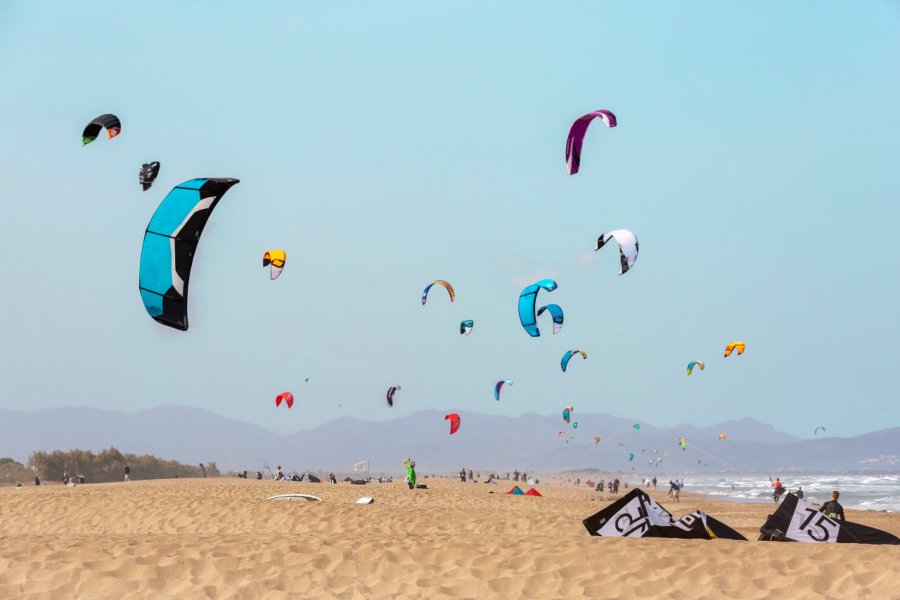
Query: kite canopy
[
  {"x": 499, "y": 386},
  {"x": 170, "y": 244},
  {"x": 739, "y": 346},
  {"x": 533, "y": 492},
  {"x": 796, "y": 520},
  {"x": 568, "y": 356},
  {"x": 816, "y": 432},
  {"x": 438, "y": 282},
  {"x": 148, "y": 173},
  {"x": 454, "y": 422},
  {"x": 576, "y": 136},
  {"x": 390, "y": 394},
  {"x": 628, "y": 247},
  {"x": 527, "y": 302},
  {"x": 682, "y": 443},
  {"x": 92, "y": 130},
  {"x": 567, "y": 414},
  {"x": 637, "y": 426},
  {"x": 277, "y": 259},
  {"x": 630, "y": 456},
  {"x": 695, "y": 363},
  {"x": 556, "y": 312},
  {"x": 286, "y": 397},
  {"x": 465, "y": 327},
  {"x": 516, "y": 491},
  {"x": 722, "y": 436},
  {"x": 597, "y": 439},
  {"x": 636, "y": 514}
]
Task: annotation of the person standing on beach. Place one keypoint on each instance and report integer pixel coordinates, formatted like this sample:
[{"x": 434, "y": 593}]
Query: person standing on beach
[
  {"x": 127, "y": 471},
  {"x": 411, "y": 473},
  {"x": 654, "y": 483},
  {"x": 799, "y": 493},
  {"x": 833, "y": 508}
]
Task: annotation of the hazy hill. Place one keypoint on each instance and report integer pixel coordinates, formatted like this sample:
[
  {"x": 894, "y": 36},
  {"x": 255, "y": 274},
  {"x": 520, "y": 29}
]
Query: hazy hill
[{"x": 530, "y": 441}]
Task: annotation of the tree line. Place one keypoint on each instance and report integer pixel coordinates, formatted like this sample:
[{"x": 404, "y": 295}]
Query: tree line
[{"x": 108, "y": 465}]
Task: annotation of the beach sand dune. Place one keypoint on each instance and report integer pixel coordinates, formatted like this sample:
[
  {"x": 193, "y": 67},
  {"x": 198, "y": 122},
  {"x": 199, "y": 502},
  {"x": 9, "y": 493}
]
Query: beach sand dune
[{"x": 219, "y": 538}]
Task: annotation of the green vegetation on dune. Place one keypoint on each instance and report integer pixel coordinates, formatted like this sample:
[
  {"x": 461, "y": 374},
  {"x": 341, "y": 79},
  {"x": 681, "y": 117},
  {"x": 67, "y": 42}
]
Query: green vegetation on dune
[{"x": 108, "y": 465}]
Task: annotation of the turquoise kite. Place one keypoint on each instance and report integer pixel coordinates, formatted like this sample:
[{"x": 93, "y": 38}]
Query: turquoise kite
[
  {"x": 695, "y": 363},
  {"x": 527, "y": 302},
  {"x": 556, "y": 312},
  {"x": 170, "y": 244},
  {"x": 568, "y": 356}
]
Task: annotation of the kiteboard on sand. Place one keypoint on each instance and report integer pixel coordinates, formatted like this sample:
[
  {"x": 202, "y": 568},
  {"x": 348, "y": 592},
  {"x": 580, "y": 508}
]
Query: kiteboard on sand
[{"x": 295, "y": 498}]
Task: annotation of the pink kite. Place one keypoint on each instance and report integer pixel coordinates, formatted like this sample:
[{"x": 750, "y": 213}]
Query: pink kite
[{"x": 576, "y": 136}]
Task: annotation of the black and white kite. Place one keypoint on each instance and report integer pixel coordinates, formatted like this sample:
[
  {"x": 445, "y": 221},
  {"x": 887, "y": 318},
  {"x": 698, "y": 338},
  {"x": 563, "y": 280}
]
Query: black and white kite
[
  {"x": 147, "y": 174},
  {"x": 638, "y": 515},
  {"x": 796, "y": 520}
]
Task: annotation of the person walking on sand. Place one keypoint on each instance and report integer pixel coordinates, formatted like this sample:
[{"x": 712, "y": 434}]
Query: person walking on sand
[
  {"x": 833, "y": 508},
  {"x": 127, "y": 471},
  {"x": 411, "y": 473},
  {"x": 678, "y": 487}
]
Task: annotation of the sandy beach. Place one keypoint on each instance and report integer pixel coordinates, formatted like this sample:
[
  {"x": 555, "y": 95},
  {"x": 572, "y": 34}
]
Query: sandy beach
[{"x": 221, "y": 538}]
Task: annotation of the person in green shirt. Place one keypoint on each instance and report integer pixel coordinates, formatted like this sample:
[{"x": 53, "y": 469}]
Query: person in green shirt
[{"x": 410, "y": 473}]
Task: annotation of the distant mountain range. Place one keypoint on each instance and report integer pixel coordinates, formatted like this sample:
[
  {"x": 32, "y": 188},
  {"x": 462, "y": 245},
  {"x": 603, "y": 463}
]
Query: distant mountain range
[{"x": 484, "y": 442}]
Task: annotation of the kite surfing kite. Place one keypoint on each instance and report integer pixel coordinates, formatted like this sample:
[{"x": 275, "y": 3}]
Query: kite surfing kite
[
  {"x": 576, "y": 136},
  {"x": 170, "y": 244},
  {"x": 682, "y": 443},
  {"x": 739, "y": 346},
  {"x": 567, "y": 414},
  {"x": 390, "y": 394},
  {"x": 695, "y": 363},
  {"x": 630, "y": 456},
  {"x": 596, "y": 439},
  {"x": 286, "y": 397},
  {"x": 637, "y": 426},
  {"x": 796, "y": 520},
  {"x": 722, "y": 436},
  {"x": 454, "y": 422},
  {"x": 816, "y": 432},
  {"x": 574, "y": 424},
  {"x": 638, "y": 515},
  {"x": 568, "y": 356},
  {"x": 148, "y": 173},
  {"x": 92, "y": 130},
  {"x": 465, "y": 328},
  {"x": 556, "y": 312},
  {"x": 499, "y": 386},
  {"x": 438, "y": 282},
  {"x": 276, "y": 259},
  {"x": 527, "y": 302},
  {"x": 628, "y": 247}
]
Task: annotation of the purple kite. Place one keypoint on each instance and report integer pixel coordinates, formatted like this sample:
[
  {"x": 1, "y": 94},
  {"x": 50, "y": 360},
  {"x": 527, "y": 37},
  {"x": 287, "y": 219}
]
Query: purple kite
[{"x": 576, "y": 136}]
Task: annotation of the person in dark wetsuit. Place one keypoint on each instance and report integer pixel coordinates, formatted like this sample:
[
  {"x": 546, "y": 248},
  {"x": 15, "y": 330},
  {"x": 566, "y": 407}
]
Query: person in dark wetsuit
[
  {"x": 799, "y": 493},
  {"x": 833, "y": 508}
]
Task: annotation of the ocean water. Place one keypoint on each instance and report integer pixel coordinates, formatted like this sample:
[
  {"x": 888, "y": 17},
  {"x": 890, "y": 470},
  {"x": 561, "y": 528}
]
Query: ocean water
[{"x": 858, "y": 491}]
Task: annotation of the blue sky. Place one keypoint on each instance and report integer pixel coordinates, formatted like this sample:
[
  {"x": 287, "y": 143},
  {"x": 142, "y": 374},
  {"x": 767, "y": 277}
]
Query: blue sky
[{"x": 385, "y": 145}]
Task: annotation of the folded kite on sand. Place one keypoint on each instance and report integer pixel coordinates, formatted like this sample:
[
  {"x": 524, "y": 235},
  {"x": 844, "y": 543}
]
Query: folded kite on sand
[
  {"x": 638, "y": 515},
  {"x": 796, "y": 520}
]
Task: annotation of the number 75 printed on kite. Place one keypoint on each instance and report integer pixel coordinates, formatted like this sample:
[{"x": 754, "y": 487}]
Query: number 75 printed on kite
[{"x": 809, "y": 525}]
